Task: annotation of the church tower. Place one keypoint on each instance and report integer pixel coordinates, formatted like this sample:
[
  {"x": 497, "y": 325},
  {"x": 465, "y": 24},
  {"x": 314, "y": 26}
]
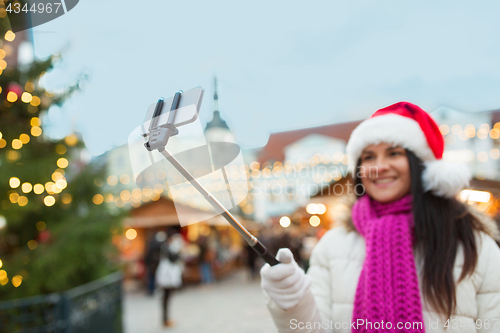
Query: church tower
[{"x": 217, "y": 129}]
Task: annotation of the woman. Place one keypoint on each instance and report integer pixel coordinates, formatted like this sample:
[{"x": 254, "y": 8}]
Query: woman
[
  {"x": 169, "y": 272},
  {"x": 411, "y": 259}
]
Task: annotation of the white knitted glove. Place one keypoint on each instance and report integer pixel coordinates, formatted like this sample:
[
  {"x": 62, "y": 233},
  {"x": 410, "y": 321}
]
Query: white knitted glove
[{"x": 286, "y": 283}]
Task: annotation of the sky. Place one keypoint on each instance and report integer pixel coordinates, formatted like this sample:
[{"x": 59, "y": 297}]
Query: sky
[{"x": 281, "y": 65}]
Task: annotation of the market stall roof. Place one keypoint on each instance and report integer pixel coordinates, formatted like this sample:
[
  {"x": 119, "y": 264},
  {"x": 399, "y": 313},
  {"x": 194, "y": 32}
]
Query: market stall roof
[
  {"x": 163, "y": 212},
  {"x": 274, "y": 150}
]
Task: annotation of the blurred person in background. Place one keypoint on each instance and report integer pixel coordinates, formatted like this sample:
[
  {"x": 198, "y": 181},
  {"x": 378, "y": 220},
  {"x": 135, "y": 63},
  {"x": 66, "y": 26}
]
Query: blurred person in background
[
  {"x": 307, "y": 245},
  {"x": 169, "y": 271},
  {"x": 206, "y": 260},
  {"x": 152, "y": 259},
  {"x": 412, "y": 258}
]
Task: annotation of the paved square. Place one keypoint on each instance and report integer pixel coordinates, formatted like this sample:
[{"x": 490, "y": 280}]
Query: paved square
[{"x": 233, "y": 305}]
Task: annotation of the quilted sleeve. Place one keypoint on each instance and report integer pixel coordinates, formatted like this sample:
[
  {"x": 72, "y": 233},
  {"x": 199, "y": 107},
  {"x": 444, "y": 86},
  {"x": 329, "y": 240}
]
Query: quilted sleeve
[
  {"x": 321, "y": 282},
  {"x": 488, "y": 296}
]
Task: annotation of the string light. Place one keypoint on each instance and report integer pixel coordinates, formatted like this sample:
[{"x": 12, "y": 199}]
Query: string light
[
  {"x": 13, "y": 155},
  {"x": 26, "y": 97},
  {"x": 48, "y": 187},
  {"x": 112, "y": 180},
  {"x": 494, "y": 153},
  {"x": 482, "y": 133},
  {"x": 61, "y": 149},
  {"x": 40, "y": 226},
  {"x": 56, "y": 176},
  {"x": 14, "y": 182},
  {"x": 62, "y": 163},
  {"x": 476, "y": 196},
  {"x": 314, "y": 221},
  {"x": 108, "y": 198},
  {"x": 131, "y": 234},
  {"x": 66, "y": 198},
  {"x": 35, "y": 100},
  {"x": 61, "y": 183},
  {"x": 285, "y": 221},
  {"x": 49, "y": 200},
  {"x": 125, "y": 179},
  {"x": 482, "y": 156},
  {"x": 32, "y": 244},
  {"x": 29, "y": 86},
  {"x": 136, "y": 193},
  {"x": 17, "y": 144},
  {"x": 22, "y": 201},
  {"x": 35, "y": 121},
  {"x": 26, "y": 187},
  {"x": 25, "y": 138},
  {"x": 71, "y": 140},
  {"x": 11, "y": 97},
  {"x": 3, "y": 282},
  {"x": 444, "y": 129},
  {"x": 98, "y": 199},
  {"x": 9, "y": 36},
  {"x": 36, "y": 131},
  {"x": 38, "y": 188},
  {"x": 17, "y": 280}
]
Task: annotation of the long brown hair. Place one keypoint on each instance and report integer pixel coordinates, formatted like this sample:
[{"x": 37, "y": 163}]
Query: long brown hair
[{"x": 441, "y": 224}]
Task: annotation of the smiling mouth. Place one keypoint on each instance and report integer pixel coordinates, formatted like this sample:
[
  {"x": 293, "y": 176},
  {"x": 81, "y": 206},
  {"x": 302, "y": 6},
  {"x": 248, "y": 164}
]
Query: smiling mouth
[{"x": 384, "y": 180}]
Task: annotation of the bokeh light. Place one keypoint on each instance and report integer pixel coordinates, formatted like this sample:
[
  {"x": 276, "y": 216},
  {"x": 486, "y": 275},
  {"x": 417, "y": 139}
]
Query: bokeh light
[
  {"x": 62, "y": 163},
  {"x": 49, "y": 200},
  {"x": 285, "y": 221},
  {"x": 131, "y": 234},
  {"x": 314, "y": 221},
  {"x": 14, "y": 182}
]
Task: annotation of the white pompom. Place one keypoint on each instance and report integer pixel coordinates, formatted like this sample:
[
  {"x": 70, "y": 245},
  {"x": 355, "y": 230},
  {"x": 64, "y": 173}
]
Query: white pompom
[{"x": 445, "y": 179}]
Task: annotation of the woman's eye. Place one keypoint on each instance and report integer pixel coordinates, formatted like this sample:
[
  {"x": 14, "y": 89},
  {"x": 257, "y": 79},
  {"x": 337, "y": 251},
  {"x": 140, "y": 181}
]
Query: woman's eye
[
  {"x": 396, "y": 153},
  {"x": 366, "y": 158}
]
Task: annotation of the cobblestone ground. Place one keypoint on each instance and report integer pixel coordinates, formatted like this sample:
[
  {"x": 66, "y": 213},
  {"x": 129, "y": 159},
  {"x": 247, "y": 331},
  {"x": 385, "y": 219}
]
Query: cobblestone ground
[{"x": 233, "y": 305}]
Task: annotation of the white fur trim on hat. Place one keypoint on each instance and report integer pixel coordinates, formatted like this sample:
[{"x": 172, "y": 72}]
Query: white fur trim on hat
[
  {"x": 389, "y": 128},
  {"x": 445, "y": 179}
]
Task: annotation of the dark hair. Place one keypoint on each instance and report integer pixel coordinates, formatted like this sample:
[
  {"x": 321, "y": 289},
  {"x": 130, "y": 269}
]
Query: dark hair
[{"x": 441, "y": 224}]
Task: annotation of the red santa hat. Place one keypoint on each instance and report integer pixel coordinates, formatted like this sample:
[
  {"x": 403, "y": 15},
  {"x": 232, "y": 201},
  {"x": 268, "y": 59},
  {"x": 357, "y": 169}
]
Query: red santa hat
[{"x": 410, "y": 127}]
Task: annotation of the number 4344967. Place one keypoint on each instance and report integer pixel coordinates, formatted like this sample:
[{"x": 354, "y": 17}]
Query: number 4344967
[
  {"x": 486, "y": 324},
  {"x": 35, "y": 8}
]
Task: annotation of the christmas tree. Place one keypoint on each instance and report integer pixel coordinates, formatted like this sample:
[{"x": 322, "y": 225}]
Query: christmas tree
[{"x": 55, "y": 228}]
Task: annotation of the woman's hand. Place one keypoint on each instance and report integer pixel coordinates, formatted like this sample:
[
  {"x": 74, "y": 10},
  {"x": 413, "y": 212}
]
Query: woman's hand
[{"x": 286, "y": 283}]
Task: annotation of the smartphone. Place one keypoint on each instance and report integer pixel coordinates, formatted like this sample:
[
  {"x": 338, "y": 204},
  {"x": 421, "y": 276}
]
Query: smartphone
[{"x": 187, "y": 111}]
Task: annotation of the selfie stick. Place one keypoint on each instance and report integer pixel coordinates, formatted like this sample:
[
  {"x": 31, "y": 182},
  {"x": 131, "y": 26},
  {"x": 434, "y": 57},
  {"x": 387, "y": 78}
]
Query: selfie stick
[{"x": 158, "y": 138}]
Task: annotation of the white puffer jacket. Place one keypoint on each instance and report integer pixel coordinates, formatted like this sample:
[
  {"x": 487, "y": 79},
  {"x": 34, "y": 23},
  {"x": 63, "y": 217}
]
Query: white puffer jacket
[{"x": 335, "y": 267}]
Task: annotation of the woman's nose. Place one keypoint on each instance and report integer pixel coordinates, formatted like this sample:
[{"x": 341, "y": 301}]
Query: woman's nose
[{"x": 382, "y": 164}]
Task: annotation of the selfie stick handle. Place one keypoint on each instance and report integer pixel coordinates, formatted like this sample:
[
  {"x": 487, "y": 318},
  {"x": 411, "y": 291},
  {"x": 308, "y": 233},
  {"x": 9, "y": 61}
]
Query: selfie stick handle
[{"x": 249, "y": 238}]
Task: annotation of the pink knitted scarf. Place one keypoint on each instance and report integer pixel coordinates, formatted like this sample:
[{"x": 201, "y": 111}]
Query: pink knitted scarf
[{"x": 387, "y": 288}]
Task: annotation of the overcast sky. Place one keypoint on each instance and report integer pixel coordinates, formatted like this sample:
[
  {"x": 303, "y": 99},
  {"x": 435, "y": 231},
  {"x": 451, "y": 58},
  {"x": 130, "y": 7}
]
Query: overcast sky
[{"x": 281, "y": 65}]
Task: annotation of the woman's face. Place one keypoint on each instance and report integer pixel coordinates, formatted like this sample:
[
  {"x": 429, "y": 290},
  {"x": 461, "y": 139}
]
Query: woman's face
[{"x": 385, "y": 172}]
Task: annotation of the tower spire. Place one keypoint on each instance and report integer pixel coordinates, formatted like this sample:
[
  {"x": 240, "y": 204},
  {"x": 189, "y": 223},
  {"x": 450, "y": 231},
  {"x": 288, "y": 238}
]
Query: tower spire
[
  {"x": 216, "y": 120},
  {"x": 216, "y": 96}
]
